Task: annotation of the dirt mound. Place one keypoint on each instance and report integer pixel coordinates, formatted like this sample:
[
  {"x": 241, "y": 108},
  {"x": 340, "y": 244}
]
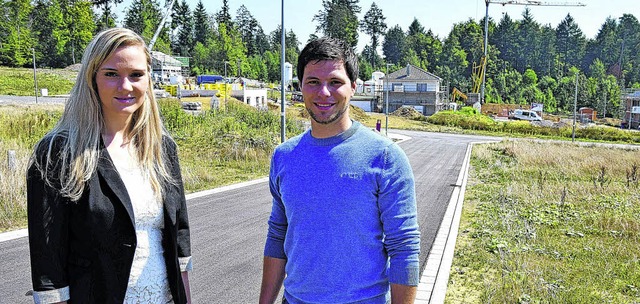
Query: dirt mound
[
  {"x": 357, "y": 113},
  {"x": 74, "y": 67},
  {"x": 407, "y": 112}
]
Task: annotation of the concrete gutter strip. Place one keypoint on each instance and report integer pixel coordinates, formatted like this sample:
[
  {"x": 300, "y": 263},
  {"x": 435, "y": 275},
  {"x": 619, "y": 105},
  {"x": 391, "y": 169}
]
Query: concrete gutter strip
[{"x": 435, "y": 277}]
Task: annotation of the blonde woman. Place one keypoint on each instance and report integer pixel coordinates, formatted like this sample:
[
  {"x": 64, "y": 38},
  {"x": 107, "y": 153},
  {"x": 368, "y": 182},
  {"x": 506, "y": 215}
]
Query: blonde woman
[{"x": 106, "y": 207}]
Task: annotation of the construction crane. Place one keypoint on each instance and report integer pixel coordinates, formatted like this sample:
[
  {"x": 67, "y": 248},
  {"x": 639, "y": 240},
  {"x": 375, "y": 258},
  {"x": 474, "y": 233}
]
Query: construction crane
[
  {"x": 169, "y": 8},
  {"x": 486, "y": 27}
]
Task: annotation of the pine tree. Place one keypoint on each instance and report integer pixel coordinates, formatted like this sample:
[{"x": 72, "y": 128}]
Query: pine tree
[
  {"x": 338, "y": 19},
  {"x": 373, "y": 25}
]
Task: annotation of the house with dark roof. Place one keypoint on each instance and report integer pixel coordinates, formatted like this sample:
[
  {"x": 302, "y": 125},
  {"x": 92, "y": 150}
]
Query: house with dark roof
[
  {"x": 414, "y": 87},
  {"x": 631, "y": 114}
]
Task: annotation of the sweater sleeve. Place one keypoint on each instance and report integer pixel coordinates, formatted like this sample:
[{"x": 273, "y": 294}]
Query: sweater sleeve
[
  {"x": 398, "y": 214},
  {"x": 274, "y": 246}
]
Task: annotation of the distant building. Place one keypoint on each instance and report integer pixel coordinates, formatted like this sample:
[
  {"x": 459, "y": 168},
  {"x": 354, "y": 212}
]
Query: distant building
[
  {"x": 164, "y": 66},
  {"x": 414, "y": 87},
  {"x": 631, "y": 113},
  {"x": 251, "y": 92}
]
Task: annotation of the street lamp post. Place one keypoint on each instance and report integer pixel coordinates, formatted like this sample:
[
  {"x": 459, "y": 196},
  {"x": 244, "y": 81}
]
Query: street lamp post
[
  {"x": 575, "y": 111},
  {"x": 225, "y": 83},
  {"x": 386, "y": 110},
  {"x": 35, "y": 80},
  {"x": 282, "y": 76}
]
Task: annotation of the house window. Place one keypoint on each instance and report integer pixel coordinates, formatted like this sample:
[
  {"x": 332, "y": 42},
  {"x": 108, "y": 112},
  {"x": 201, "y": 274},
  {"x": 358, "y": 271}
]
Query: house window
[
  {"x": 397, "y": 87},
  {"x": 422, "y": 87}
]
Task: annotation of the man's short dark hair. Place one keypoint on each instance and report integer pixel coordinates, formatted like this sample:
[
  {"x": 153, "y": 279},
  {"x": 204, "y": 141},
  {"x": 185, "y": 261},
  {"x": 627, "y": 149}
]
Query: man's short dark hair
[{"x": 327, "y": 48}]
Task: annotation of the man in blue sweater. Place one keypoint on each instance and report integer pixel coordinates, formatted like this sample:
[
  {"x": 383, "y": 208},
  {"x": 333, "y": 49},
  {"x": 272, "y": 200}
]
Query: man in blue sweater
[{"x": 343, "y": 225}]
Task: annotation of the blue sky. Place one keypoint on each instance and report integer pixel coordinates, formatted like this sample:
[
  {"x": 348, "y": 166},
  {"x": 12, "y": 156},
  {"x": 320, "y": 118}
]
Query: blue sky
[{"x": 437, "y": 15}]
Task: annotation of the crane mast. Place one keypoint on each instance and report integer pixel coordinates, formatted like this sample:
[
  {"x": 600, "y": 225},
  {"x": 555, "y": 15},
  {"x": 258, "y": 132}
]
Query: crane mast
[
  {"x": 161, "y": 25},
  {"x": 486, "y": 27}
]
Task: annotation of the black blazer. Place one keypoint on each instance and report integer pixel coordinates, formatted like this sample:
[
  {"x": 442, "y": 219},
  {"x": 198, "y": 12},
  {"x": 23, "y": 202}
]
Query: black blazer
[{"x": 89, "y": 245}]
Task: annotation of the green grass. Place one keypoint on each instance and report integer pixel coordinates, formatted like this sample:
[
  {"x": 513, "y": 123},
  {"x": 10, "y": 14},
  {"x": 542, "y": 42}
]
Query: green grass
[
  {"x": 549, "y": 223},
  {"x": 19, "y": 81},
  {"x": 216, "y": 148},
  {"x": 476, "y": 123}
]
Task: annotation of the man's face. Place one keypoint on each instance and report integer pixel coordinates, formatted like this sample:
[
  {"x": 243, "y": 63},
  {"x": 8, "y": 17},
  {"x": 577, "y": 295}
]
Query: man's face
[{"x": 326, "y": 90}]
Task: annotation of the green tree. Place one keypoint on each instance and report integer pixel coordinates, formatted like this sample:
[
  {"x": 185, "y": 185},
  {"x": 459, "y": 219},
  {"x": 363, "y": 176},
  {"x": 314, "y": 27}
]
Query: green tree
[
  {"x": 229, "y": 47},
  {"x": 251, "y": 32},
  {"x": 453, "y": 65},
  {"x": 338, "y": 19},
  {"x": 394, "y": 45},
  {"x": 629, "y": 36},
  {"x": 504, "y": 38},
  {"x": 426, "y": 47},
  {"x": 415, "y": 28},
  {"x": 272, "y": 61},
  {"x": 63, "y": 29},
  {"x": 548, "y": 55},
  {"x": 107, "y": 18},
  {"x": 469, "y": 37},
  {"x": 604, "y": 45},
  {"x": 224, "y": 16},
  {"x": 528, "y": 39},
  {"x": 79, "y": 18},
  {"x": 143, "y": 17},
  {"x": 51, "y": 32},
  {"x": 373, "y": 25},
  {"x": 16, "y": 43},
  {"x": 257, "y": 68},
  {"x": 203, "y": 25},
  {"x": 291, "y": 46},
  {"x": 365, "y": 70},
  {"x": 182, "y": 23},
  {"x": 530, "y": 92},
  {"x": 571, "y": 43}
]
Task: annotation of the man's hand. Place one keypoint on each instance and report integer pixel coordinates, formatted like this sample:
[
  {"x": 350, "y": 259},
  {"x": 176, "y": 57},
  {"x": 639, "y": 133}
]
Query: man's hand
[
  {"x": 272, "y": 277},
  {"x": 403, "y": 294}
]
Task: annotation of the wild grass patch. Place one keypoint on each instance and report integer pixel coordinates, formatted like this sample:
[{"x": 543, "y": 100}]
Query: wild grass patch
[
  {"x": 20, "y": 82},
  {"x": 216, "y": 148},
  {"x": 548, "y": 223}
]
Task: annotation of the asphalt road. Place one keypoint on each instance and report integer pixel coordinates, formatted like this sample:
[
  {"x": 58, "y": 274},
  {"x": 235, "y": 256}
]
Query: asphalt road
[{"x": 229, "y": 228}]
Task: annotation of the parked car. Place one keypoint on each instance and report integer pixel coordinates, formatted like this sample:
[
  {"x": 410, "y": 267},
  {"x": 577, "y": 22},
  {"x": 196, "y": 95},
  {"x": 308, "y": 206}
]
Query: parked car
[{"x": 525, "y": 115}]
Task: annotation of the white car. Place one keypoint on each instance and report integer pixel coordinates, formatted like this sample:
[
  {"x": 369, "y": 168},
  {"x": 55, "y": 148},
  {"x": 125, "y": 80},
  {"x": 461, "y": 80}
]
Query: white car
[{"x": 526, "y": 115}]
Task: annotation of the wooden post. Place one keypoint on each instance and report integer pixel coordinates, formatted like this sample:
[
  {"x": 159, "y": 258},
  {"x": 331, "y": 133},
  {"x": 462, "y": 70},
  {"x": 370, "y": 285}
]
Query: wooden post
[{"x": 11, "y": 160}]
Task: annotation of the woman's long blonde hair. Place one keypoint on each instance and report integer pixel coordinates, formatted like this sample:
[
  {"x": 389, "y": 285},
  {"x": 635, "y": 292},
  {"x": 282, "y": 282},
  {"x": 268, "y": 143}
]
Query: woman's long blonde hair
[{"x": 82, "y": 123}]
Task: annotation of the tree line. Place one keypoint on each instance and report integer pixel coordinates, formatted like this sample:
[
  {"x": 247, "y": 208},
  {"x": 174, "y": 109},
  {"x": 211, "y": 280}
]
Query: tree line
[{"x": 528, "y": 62}]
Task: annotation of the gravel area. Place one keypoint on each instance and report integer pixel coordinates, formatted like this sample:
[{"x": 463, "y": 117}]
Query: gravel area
[{"x": 24, "y": 100}]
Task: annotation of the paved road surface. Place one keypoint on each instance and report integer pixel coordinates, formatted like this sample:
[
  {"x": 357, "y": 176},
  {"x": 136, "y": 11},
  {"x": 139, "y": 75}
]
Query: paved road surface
[{"x": 228, "y": 228}]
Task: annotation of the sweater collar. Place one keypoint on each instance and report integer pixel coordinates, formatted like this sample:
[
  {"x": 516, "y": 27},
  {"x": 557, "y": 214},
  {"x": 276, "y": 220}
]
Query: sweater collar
[{"x": 330, "y": 141}]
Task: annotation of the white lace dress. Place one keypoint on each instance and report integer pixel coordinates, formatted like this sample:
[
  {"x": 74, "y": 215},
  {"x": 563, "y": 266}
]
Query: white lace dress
[{"x": 148, "y": 281}]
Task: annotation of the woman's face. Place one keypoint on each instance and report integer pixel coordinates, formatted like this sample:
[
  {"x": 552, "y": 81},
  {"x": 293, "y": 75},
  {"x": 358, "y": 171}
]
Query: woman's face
[{"x": 122, "y": 82}]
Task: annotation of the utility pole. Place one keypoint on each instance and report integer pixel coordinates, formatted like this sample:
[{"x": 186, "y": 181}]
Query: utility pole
[{"x": 486, "y": 27}]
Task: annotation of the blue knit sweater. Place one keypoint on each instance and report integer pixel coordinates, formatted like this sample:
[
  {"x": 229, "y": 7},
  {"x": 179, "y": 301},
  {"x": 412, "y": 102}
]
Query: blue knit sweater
[{"x": 344, "y": 217}]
